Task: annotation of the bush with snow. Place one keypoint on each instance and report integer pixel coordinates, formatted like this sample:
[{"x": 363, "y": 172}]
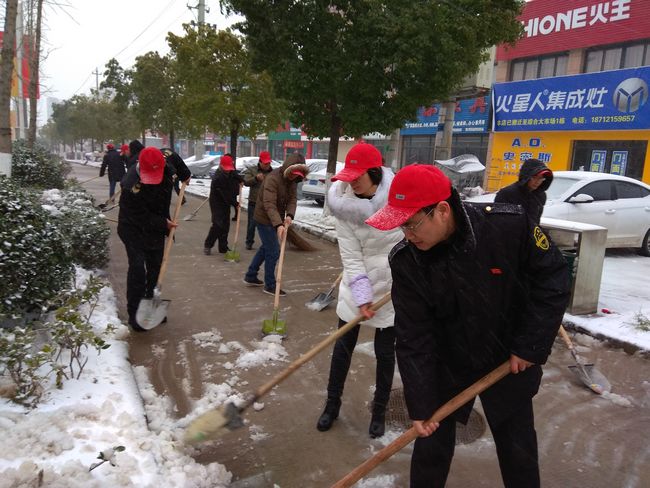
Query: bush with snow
[
  {"x": 37, "y": 167},
  {"x": 35, "y": 257}
]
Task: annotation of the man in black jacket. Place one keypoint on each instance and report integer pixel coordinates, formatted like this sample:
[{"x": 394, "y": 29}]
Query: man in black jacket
[
  {"x": 474, "y": 285},
  {"x": 530, "y": 190},
  {"x": 116, "y": 169},
  {"x": 224, "y": 190},
  {"x": 135, "y": 147},
  {"x": 144, "y": 221}
]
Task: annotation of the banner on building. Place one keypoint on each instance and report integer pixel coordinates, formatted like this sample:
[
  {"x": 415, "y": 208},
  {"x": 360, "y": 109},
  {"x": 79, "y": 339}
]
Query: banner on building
[
  {"x": 471, "y": 116},
  {"x": 608, "y": 100}
]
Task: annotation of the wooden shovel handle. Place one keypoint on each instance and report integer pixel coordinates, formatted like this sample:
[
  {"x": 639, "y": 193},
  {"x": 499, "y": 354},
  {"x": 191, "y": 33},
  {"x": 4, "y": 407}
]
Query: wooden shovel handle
[
  {"x": 566, "y": 338},
  {"x": 265, "y": 388},
  {"x": 337, "y": 280},
  {"x": 278, "y": 281},
  {"x": 407, "y": 437},
  {"x": 170, "y": 237}
]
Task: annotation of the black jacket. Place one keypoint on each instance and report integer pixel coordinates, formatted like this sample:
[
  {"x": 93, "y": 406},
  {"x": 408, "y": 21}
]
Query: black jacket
[
  {"x": 519, "y": 194},
  {"x": 115, "y": 164},
  {"x": 497, "y": 287},
  {"x": 178, "y": 166},
  {"x": 135, "y": 147},
  {"x": 144, "y": 210},
  {"x": 224, "y": 189}
]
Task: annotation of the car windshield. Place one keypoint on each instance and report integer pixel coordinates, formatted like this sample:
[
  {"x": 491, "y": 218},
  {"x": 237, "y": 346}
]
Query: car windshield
[{"x": 559, "y": 186}]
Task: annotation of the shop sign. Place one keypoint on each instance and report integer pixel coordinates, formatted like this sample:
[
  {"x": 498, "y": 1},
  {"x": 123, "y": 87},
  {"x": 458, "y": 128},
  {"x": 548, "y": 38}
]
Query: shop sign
[
  {"x": 598, "y": 157},
  {"x": 293, "y": 144},
  {"x": 608, "y": 100},
  {"x": 577, "y": 24},
  {"x": 471, "y": 116},
  {"x": 619, "y": 163}
]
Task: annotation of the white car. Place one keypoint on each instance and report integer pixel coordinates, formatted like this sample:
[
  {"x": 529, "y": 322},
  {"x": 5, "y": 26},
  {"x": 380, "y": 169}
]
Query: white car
[
  {"x": 313, "y": 188},
  {"x": 618, "y": 203}
]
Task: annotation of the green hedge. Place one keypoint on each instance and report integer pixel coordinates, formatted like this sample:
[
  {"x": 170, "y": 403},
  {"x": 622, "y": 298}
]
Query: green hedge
[{"x": 37, "y": 167}]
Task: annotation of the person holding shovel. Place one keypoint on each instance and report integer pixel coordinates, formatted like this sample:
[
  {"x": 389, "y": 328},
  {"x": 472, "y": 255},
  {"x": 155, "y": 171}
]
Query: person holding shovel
[
  {"x": 474, "y": 285},
  {"x": 253, "y": 177},
  {"x": 223, "y": 195},
  {"x": 360, "y": 189},
  {"x": 143, "y": 223},
  {"x": 116, "y": 169},
  {"x": 274, "y": 212}
]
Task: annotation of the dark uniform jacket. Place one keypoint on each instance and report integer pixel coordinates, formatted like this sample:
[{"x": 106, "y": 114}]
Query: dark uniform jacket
[
  {"x": 178, "y": 166},
  {"x": 115, "y": 164},
  {"x": 224, "y": 189},
  {"x": 497, "y": 287},
  {"x": 135, "y": 147},
  {"x": 277, "y": 196},
  {"x": 144, "y": 209},
  {"x": 519, "y": 194}
]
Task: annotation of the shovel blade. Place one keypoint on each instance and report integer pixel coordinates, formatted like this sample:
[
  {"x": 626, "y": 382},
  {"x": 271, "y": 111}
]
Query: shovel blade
[
  {"x": 592, "y": 378},
  {"x": 188, "y": 217},
  {"x": 213, "y": 423},
  {"x": 151, "y": 312},
  {"x": 274, "y": 326},
  {"x": 232, "y": 256},
  {"x": 319, "y": 302}
]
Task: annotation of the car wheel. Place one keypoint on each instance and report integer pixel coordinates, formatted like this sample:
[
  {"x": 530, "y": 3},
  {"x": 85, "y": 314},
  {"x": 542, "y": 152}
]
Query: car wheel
[
  {"x": 321, "y": 203},
  {"x": 645, "y": 245}
]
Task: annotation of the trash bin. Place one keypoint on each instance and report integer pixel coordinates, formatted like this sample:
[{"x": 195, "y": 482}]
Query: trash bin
[{"x": 571, "y": 257}]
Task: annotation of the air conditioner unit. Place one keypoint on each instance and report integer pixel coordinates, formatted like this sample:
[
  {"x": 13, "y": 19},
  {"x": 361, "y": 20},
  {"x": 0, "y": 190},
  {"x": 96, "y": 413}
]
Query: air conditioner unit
[{"x": 481, "y": 81}]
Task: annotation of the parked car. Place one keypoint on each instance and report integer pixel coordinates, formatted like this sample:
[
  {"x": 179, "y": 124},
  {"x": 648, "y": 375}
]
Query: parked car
[
  {"x": 313, "y": 188},
  {"x": 618, "y": 203},
  {"x": 242, "y": 163},
  {"x": 201, "y": 168}
]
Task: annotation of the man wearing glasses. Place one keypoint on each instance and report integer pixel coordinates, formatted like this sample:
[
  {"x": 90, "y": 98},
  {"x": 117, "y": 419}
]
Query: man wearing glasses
[{"x": 474, "y": 285}]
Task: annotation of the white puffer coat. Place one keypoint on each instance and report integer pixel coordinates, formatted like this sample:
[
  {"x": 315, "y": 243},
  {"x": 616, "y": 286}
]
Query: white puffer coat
[{"x": 364, "y": 249}]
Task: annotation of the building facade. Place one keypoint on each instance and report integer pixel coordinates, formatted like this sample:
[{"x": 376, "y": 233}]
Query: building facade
[{"x": 573, "y": 91}]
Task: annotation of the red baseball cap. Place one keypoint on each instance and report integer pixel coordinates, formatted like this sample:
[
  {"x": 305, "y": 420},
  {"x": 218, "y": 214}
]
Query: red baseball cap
[
  {"x": 226, "y": 163},
  {"x": 110, "y": 146},
  {"x": 414, "y": 187},
  {"x": 545, "y": 173},
  {"x": 152, "y": 165},
  {"x": 265, "y": 157},
  {"x": 360, "y": 158},
  {"x": 124, "y": 147},
  {"x": 297, "y": 172}
]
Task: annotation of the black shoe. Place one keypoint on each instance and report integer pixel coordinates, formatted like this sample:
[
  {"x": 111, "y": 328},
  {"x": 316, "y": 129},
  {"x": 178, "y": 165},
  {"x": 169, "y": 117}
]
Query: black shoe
[
  {"x": 184, "y": 201},
  {"x": 271, "y": 291},
  {"x": 253, "y": 282},
  {"x": 249, "y": 247},
  {"x": 329, "y": 415},
  {"x": 377, "y": 423},
  {"x": 224, "y": 251},
  {"x": 207, "y": 251},
  {"x": 133, "y": 325},
  {"x": 234, "y": 219}
]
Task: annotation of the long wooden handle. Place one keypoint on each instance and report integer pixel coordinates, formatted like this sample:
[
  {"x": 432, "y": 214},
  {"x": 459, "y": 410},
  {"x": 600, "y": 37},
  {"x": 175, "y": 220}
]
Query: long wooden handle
[
  {"x": 202, "y": 203},
  {"x": 337, "y": 280},
  {"x": 566, "y": 338},
  {"x": 239, "y": 215},
  {"x": 170, "y": 237},
  {"x": 265, "y": 388},
  {"x": 278, "y": 281},
  {"x": 407, "y": 437}
]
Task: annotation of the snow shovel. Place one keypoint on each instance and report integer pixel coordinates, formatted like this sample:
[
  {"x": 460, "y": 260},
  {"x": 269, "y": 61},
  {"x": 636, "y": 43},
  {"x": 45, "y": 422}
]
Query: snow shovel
[
  {"x": 410, "y": 435},
  {"x": 233, "y": 256},
  {"x": 113, "y": 200},
  {"x": 152, "y": 311},
  {"x": 322, "y": 300},
  {"x": 587, "y": 373},
  {"x": 275, "y": 325},
  {"x": 226, "y": 418},
  {"x": 193, "y": 214},
  {"x": 90, "y": 179}
]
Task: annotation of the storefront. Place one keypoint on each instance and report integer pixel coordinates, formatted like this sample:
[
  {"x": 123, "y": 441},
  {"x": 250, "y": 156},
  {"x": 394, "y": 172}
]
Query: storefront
[
  {"x": 418, "y": 139},
  {"x": 594, "y": 122}
]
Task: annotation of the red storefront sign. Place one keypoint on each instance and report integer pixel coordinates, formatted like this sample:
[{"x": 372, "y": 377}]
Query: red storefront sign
[
  {"x": 293, "y": 145},
  {"x": 560, "y": 25}
]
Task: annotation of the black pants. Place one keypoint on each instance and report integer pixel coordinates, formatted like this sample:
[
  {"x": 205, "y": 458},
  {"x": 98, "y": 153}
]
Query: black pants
[
  {"x": 342, "y": 357},
  {"x": 250, "y": 227},
  {"x": 142, "y": 276},
  {"x": 508, "y": 407},
  {"x": 220, "y": 228}
]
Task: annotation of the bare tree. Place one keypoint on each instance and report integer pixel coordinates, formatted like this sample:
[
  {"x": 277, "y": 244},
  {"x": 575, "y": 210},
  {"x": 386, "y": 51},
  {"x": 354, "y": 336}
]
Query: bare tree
[
  {"x": 6, "y": 74},
  {"x": 34, "y": 66}
]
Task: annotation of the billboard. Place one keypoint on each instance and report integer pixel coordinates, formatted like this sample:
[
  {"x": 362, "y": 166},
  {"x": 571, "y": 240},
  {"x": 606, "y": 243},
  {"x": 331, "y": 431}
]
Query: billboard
[
  {"x": 25, "y": 69},
  {"x": 608, "y": 100},
  {"x": 471, "y": 116},
  {"x": 557, "y": 25}
]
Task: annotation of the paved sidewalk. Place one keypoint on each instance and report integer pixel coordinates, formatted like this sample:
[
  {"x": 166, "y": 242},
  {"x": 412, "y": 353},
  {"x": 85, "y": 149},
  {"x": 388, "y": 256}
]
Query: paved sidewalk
[{"x": 585, "y": 440}]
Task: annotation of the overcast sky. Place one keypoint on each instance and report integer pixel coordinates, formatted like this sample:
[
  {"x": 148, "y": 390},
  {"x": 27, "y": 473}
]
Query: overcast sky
[{"x": 82, "y": 35}]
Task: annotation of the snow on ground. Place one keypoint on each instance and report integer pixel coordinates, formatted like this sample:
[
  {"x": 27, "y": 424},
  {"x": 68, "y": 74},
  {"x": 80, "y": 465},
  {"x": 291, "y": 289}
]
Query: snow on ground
[{"x": 58, "y": 442}]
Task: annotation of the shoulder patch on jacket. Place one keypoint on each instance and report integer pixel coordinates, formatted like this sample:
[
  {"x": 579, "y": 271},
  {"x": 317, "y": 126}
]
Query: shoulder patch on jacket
[
  {"x": 397, "y": 248},
  {"x": 498, "y": 208},
  {"x": 541, "y": 240}
]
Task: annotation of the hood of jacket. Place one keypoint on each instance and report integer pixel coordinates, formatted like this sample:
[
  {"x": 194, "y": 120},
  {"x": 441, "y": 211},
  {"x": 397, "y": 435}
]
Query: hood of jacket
[
  {"x": 530, "y": 168},
  {"x": 345, "y": 205},
  {"x": 135, "y": 147}
]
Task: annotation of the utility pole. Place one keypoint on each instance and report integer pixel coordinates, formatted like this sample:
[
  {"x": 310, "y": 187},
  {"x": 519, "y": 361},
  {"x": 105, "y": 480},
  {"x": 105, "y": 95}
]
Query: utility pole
[
  {"x": 199, "y": 144},
  {"x": 96, "y": 73},
  {"x": 21, "y": 103}
]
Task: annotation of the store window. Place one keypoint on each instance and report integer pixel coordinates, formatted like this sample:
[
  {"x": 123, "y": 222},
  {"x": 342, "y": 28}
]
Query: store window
[
  {"x": 260, "y": 146},
  {"x": 417, "y": 149},
  {"x": 475, "y": 144},
  {"x": 539, "y": 67},
  {"x": 617, "y": 57},
  {"x": 319, "y": 150},
  {"x": 625, "y": 158}
]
